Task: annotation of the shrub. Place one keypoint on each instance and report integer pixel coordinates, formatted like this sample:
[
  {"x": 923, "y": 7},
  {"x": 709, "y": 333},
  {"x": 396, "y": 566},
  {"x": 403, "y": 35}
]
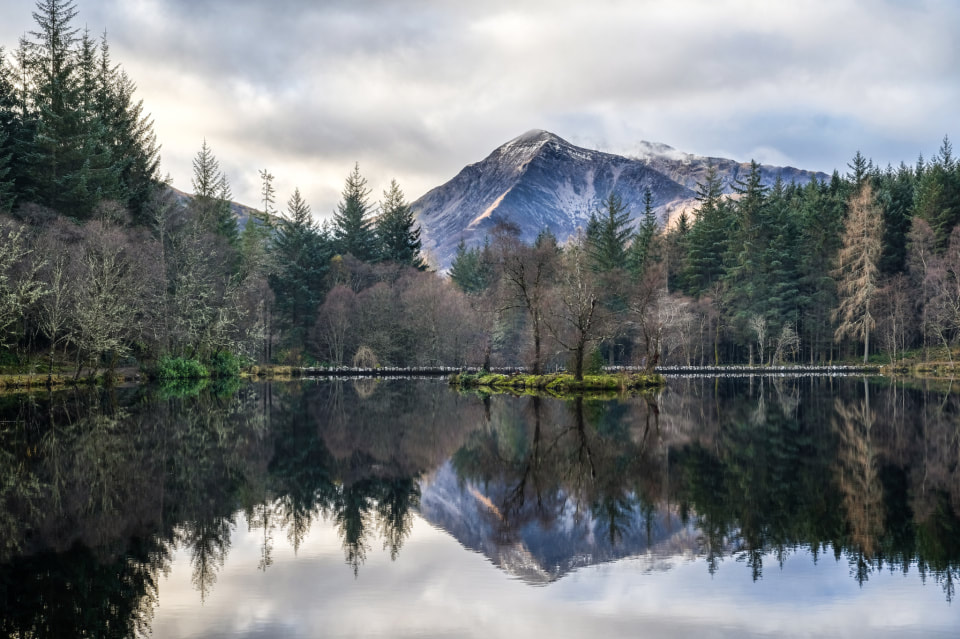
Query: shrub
[
  {"x": 224, "y": 364},
  {"x": 593, "y": 363},
  {"x": 180, "y": 368}
]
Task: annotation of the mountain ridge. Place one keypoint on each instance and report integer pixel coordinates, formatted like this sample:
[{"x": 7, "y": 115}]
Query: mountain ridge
[{"x": 539, "y": 180}]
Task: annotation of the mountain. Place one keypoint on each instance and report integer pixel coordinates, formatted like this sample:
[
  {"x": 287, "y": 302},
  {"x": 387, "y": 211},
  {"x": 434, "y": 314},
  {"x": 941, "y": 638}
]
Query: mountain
[
  {"x": 540, "y": 180},
  {"x": 539, "y": 552}
]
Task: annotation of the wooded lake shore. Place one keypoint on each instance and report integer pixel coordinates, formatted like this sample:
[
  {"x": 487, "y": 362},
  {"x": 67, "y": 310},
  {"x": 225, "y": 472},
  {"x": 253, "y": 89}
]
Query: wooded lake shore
[{"x": 32, "y": 380}]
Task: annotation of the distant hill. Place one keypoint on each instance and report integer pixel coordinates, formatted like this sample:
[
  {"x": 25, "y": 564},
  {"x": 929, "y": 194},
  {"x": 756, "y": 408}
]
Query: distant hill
[{"x": 539, "y": 180}]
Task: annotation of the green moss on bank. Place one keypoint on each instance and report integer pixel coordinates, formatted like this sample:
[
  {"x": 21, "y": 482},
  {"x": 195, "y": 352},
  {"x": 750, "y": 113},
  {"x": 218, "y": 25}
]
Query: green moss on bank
[{"x": 558, "y": 383}]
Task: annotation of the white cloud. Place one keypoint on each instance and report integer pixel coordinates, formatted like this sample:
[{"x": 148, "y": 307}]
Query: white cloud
[{"x": 416, "y": 89}]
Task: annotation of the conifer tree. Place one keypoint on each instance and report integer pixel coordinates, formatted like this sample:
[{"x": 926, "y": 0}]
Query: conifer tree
[
  {"x": 135, "y": 157},
  {"x": 6, "y": 179},
  {"x": 708, "y": 242},
  {"x": 607, "y": 241},
  {"x": 211, "y": 196},
  {"x": 398, "y": 237},
  {"x": 470, "y": 271},
  {"x": 642, "y": 248},
  {"x": 938, "y": 193},
  {"x": 353, "y": 228},
  {"x": 54, "y": 155},
  {"x": 301, "y": 253},
  {"x": 858, "y": 270},
  {"x": 8, "y": 123}
]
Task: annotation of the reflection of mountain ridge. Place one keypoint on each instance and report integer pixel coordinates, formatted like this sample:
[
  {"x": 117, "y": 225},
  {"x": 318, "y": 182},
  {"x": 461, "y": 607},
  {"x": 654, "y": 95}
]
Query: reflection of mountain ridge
[{"x": 540, "y": 553}]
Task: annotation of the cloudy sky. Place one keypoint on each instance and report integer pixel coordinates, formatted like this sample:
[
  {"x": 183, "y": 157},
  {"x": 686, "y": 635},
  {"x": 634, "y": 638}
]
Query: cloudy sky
[{"x": 416, "y": 89}]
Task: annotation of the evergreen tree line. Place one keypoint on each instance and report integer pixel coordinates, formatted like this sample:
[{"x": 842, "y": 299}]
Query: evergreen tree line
[
  {"x": 72, "y": 137},
  {"x": 858, "y": 265}
]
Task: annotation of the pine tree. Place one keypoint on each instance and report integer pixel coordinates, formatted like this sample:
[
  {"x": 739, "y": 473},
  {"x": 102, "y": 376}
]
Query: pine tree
[
  {"x": 860, "y": 169},
  {"x": 8, "y": 125},
  {"x": 256, "y": 232},
  {"x": 100, "y": 174},
  {"x": 54, "y": 156},
  {"x": 642, "y": 248},
  {"x": 820, "y": 221},
  {"x": 938, "y": 193},
  {"x": 747, "y": 283},
  {"x": 301, "y": 255},
  {"x": 211, "y": 204},
  {"x": 226, "y": 221},
  {"x": 470, "y": 271},
  {"x": 135, "y": 158},
  {"x": 399, "y": 239},
  {"x": 6, "y": 179},
  {"x": 858, "y": 270},
  {"x": 353, "y": 229},
  {"x": 709, "y": 238},
  {"x": 607, "y": 242}
]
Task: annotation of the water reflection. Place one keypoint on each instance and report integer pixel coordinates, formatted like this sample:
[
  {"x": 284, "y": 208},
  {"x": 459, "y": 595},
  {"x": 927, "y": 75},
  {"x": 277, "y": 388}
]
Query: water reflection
[{"x": 100, "y": 489}]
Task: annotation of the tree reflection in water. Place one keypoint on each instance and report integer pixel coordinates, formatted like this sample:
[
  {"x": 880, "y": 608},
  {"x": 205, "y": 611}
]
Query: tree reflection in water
[{"x": 99, "y": 488}]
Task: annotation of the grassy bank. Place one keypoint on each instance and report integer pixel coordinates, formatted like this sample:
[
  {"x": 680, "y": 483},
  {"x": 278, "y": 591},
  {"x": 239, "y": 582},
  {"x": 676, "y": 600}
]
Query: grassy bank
[{"x": 559, "y": 383}]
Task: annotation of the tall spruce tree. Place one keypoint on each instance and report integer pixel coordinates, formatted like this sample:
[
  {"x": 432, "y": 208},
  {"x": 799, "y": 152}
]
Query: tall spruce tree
[
  {"x": 135, "y": 156},
  {"x": 211, "y": 196},
  {"x": 472, "y": 269},
  {"x": 938, "y": 193},
  {"x": 8, "y": 130},
  {"x": 608, "y": 239},
  {"x": 746, "y": 281},
  {"x": 709, "y": 237},
  {"x": 642, "y": 248},
  {"x": 54, "y": 156},
  {"x": 301, "y": 253},
  {"x": 398, "y": 236},
  {"x": 353, "y": 227}
]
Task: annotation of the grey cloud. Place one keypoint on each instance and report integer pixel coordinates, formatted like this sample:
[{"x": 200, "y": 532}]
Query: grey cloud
[{"x": 423, "y": 87}]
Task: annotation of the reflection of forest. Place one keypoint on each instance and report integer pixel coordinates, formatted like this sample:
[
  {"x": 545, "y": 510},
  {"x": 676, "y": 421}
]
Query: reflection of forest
[
  {"x": 759, "y": 466},
  {"x": 97, "y": 489}
]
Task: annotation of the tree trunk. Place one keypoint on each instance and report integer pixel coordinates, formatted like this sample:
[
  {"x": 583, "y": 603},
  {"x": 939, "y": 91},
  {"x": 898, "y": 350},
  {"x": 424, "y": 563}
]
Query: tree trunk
[
  {"x": 866, "y": 338},
  {"x": 536, "y": 349},
  {"x": 578, "y": 363}
]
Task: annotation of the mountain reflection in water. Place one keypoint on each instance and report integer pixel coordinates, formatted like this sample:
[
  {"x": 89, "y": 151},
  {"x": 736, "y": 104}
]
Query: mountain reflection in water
[{"x": 100, "y": 489}]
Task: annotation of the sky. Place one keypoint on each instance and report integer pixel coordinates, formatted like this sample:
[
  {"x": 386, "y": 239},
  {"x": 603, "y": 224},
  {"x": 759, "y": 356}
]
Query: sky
[
  {"x": 417, "y": 89},
  {"x": 437, "y": 588}
]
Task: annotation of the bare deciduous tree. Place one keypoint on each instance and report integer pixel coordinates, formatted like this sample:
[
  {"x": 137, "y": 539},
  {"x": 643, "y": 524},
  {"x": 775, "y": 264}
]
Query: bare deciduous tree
[{"x": 576, "y": 318}]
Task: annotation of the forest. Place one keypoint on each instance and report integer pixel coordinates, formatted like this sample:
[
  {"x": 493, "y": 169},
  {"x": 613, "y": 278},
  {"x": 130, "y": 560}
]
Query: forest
[{"x": 103, "y": 265}]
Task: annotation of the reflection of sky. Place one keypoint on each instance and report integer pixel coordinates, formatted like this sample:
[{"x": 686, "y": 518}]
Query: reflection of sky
[{"x": 437, "y": 589}]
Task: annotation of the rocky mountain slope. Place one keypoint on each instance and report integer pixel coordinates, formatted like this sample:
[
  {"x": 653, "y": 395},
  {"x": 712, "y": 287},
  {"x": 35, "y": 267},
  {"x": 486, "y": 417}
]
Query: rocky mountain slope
[{"x": 539, "y": 180}]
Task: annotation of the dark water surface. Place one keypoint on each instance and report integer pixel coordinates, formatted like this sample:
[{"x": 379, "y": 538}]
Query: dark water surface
[{"x": 398, "y": 508}]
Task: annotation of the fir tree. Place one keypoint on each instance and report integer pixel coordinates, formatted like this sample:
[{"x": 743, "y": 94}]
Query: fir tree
[
  {"x": 607, "y": 242},
  {"x": 399, "y": 238},
  {"x": 6, "y": 179},
  {"x": 938, "y": 193},
  {"x": 54, "y": 162},
  {"x": 642, "y": 248},
  {"x": 211, "y": 196},
  {"x": 470, "y": 271},
  {"x": 301, "y": 254},
  {"x": 353, "y": 229},
  {"x": 708, "y": 242},
  {"x": 135, "y": 157}
]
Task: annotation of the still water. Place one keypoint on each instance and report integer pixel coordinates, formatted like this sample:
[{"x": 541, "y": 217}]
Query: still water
[{"x": 763, "y": 507}]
